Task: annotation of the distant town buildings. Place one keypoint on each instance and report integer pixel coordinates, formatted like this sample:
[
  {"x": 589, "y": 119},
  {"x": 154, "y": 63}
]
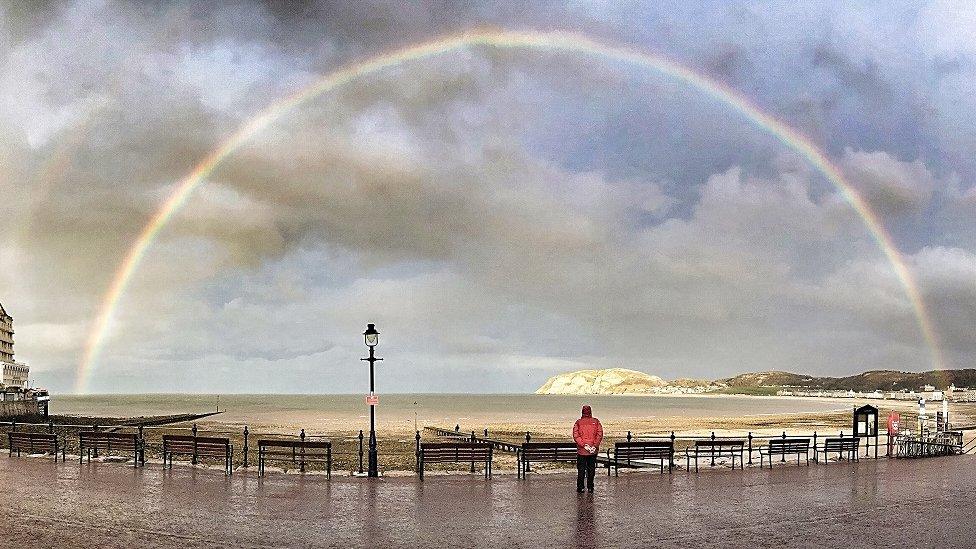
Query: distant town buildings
[
  {"x": 15, "y": 374},
  {"x": 928, "y": 392}
]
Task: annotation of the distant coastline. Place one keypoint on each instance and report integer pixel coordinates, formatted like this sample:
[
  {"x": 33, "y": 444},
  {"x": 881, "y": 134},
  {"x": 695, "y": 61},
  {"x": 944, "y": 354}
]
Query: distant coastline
[{"x": 872, "y": 384}]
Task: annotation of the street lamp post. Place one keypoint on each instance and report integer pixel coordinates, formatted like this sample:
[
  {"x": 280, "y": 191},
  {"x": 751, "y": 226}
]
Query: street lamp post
[{"x": 372, "y": 337}]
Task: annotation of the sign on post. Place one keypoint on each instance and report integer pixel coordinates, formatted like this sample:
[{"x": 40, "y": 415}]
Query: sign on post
[
  {"x": 894, "y": 422},
  {"x": 372, "y": 400}
]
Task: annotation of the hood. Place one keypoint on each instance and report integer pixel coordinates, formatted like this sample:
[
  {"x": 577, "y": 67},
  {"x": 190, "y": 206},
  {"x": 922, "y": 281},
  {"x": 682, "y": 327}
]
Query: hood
[{"x": 587, "y": 412}]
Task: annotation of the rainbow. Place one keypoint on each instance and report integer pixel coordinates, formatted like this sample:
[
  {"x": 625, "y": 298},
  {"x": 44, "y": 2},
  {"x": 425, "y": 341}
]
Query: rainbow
[{"x": 542, "y": 41}]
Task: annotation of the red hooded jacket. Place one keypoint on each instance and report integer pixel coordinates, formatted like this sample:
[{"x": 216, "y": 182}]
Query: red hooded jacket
[{"x": 587, "y": 432}]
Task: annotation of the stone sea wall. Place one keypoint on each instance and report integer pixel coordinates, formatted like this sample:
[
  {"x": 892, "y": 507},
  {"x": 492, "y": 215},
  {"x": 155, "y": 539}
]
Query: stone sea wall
[{"x": 18, "y": 408}]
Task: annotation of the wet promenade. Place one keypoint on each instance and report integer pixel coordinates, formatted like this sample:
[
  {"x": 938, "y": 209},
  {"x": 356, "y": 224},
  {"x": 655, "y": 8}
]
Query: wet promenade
[{"x": 893, "y": 503}]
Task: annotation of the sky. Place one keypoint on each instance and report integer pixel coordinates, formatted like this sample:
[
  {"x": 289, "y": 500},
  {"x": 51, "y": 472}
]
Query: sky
[{"x": 501, "y": 216}]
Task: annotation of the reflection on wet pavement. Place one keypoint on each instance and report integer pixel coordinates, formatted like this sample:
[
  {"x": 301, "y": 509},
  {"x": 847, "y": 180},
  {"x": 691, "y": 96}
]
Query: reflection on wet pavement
[{"x": 112, "y": 505}]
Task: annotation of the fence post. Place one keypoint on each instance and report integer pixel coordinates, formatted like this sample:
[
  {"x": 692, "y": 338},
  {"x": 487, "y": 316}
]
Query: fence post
[
  {"x": 472, "y": 460},
  {"x": 815, "y": 448},
  {"x": 95, "y": 449},
  {"x": 301, "y": 463},
  {"x": 50, "y": 427},
  {"x": 628, "y": 436},
  {"x": 457, "y": 428},
  {"x": 486, "y": 433},
  {"x": 712, "y": 449},
  {"x": 245, "y": 446},
  {"x": 750, "y": 447},
  {"x": 417, "y": 453},
  {"x": 194, "y": 461},
  {"x": 360, "y": 451},
  {"x": 783, "y": 458},
  {"x": 142, "y": 446},
  {"x": 528, "y": 437}
]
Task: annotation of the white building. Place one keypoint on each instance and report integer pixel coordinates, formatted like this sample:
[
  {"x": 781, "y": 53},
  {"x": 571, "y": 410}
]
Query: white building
[{"x": 15, "y": 374}]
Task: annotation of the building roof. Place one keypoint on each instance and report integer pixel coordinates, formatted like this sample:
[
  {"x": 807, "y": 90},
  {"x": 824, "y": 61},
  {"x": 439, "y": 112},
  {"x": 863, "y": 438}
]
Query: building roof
[{"x": 2, "y": 311}]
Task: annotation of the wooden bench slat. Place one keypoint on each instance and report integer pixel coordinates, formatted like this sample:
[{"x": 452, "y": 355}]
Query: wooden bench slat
[
  {"x": 295, "y": 451},
  {"x": 454, "y": 452}
]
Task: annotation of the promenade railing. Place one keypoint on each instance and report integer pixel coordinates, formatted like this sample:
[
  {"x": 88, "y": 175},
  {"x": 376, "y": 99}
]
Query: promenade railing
[
  {"x": 347, "y": 448},
  {"x": 509, "y": 442}
]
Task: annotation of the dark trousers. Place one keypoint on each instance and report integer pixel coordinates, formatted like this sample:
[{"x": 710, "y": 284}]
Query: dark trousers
[{"x": 585, "y": 466}]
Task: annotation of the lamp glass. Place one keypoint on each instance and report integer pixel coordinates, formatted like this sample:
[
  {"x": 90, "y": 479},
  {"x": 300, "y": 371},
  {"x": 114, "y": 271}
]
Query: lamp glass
[{"x": 371, "y": 336}]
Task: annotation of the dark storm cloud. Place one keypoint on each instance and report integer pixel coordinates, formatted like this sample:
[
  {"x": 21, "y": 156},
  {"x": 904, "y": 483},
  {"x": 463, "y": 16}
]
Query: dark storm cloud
[{"x": 492, "y": 211}]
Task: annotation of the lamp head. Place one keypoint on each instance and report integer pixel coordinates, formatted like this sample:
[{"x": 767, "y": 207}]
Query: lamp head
[{"x": 371, "y": 336}]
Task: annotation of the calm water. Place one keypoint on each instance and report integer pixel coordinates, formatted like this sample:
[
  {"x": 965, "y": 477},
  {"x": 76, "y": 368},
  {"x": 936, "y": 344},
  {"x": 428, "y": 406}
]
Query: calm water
[{"x": 340, "y": 412}]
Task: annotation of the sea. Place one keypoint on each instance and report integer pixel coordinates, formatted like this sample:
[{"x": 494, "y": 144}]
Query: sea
[{"x": 409, "y": 411}]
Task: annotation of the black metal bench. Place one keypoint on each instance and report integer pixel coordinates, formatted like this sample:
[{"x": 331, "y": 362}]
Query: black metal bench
[
  {"x": 92, "y": 442},
  {"x": 840, "y": 446},
  {"x": 628, "y": 452},
  {"x": 544, "y": 451},
  {"x": 785, "y": 447},
  {"x": 35, "y": 443},
  {"x": 295, "y": 451},
  {"x": 713, "y": 449},
  {"x": 198, "y": 447},
  {"x": 454, "y": 452}
]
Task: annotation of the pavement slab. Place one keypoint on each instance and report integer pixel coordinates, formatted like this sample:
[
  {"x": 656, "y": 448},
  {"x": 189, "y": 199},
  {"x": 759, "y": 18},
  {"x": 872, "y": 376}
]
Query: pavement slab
[{"x": 883, "y": 503}]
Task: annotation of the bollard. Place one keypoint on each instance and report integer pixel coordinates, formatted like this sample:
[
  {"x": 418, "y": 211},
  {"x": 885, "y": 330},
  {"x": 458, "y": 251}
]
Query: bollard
[
  {"x": 750, "y": 447},
  {"x": 245, "y": 446},
  {"x": 360, "y": 451}
]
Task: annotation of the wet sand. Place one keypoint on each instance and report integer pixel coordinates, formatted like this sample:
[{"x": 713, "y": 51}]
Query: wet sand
[{"x": 893, "y": 503}]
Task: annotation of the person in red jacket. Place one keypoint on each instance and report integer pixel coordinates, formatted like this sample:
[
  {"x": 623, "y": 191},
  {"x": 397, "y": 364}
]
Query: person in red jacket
[{"x": 588, "y": 434}]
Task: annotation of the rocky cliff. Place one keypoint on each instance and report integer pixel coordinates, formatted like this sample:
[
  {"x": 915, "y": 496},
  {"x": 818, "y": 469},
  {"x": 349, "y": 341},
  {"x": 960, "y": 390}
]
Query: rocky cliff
[{"x": 616, "y": 381}]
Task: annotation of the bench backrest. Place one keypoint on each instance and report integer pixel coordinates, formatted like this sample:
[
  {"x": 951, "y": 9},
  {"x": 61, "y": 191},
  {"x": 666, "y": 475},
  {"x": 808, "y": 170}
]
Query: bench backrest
[
  {"x": 644, "y": 449},
  {"x": 104, "y": 440},
  {"x": 32, "y": 440},
  {"x": 719, "y": 444},
  {"x": 841, "y": 444},
  {"x": 202, "y": 445},
  {"x": 548, "y": 451},
  {"x": 789, "y": 445},
  {"x": 455, "y": 451},
  {"x": 295, "y": 444}
]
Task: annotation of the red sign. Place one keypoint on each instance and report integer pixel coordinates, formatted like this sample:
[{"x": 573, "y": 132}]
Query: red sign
[
  {"x": 372, "y": 400},
  {"x": 894, "y": 422}
]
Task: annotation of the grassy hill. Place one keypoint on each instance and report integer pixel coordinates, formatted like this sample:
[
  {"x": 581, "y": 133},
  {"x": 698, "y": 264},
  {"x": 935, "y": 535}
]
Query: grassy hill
[{"x": 882, "y": 380}]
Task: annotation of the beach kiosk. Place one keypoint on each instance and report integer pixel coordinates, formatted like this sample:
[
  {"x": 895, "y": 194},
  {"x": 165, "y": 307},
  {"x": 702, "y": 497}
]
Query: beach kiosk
[{"x": 866, "y": 425}]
